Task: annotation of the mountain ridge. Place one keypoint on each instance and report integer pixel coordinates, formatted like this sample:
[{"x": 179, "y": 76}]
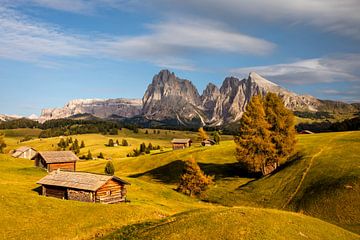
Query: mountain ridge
[{"x": 169, "y": 98}]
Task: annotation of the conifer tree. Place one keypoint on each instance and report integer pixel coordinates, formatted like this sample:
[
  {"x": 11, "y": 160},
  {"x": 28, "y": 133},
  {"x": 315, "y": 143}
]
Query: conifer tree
[
  {"x": 254, "y": 149},
  {"x": 109, "y": 168},
  {"x": 217, "y": 137},
  {"x": 2, "y": 143},
  {"x": 89, "y": 156},
  {"x": 101, "y": 155},
  {"x": 117, "y": 142},
  {"x": 282, "y": 128},
  {"x": 82, "y": 145},
  {"x": 203, "y": 134},
  {"x": 124, "y": 142},
  {"x": 193, "y": 181},
  {"x": 111, "y": 143},
  {"x": 142, "y": 147},
  {"x": 150, "y": 146}
]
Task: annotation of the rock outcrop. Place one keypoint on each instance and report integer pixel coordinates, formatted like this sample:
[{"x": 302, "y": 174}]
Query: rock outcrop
[{"x": 97, "y": 107}]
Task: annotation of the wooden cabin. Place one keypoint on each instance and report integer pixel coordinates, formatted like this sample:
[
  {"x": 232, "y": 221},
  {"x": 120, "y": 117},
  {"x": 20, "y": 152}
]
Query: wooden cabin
[
  {"x": 24, "y": 152},
  {"x": 181, "y": 143},
  {"x": 53, "y": 160},
  {"x": 83, "y": 186},
  {"x": 207, "y": 143}
]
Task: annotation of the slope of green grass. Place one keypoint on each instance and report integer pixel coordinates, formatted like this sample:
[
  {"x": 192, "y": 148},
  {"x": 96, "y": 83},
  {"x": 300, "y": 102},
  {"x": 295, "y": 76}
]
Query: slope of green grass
[
  {"x": 323, "y": 181},
  {"x": 26, "y": 215},
  {"x": 235, "y": 223}
]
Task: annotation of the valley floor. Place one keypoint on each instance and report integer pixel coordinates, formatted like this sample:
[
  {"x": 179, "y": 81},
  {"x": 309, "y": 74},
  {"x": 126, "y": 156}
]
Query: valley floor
[{"x": 320, "y": 187}]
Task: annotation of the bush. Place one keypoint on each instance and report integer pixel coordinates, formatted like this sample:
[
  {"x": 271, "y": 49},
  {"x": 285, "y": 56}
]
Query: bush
[
  {"x": 109, "y": 168},
  {"x": 124, "y": 142},
  {"x": 101, "y": 155}
]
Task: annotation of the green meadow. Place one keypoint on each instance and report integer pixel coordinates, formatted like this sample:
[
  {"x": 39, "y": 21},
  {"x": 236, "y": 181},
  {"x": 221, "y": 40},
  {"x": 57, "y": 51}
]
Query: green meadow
[{"x": 313, "y": 196}]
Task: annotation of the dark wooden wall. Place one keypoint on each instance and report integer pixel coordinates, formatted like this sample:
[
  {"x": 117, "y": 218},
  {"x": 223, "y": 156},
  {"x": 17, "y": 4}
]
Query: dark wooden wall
[
  {"x": 71, "y": 166},
  {"x": 54, "y": 191},
  {"x": 110, "y": 192}
]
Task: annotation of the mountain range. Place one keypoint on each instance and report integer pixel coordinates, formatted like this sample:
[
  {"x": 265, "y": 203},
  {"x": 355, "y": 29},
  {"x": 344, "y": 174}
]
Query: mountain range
[{"x": 175, "y": 101}]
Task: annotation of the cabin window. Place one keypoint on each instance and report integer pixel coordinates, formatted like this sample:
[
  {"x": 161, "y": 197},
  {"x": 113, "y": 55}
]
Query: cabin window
[{"x": 109, "y": 192}]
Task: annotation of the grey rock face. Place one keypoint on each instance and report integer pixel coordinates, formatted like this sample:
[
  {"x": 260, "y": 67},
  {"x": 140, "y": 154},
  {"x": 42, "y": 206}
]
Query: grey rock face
[
  {"x": 169, "y": 97},
  {"x": 98, "y": 107}
]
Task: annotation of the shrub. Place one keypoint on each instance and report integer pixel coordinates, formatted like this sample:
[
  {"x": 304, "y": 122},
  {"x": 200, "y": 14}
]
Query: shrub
[{"x": 109, "y": 168}]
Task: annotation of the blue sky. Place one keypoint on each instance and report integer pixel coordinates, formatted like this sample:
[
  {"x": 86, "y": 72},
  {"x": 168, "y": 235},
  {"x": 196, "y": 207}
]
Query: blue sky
[{"x": 52, "y": 51}]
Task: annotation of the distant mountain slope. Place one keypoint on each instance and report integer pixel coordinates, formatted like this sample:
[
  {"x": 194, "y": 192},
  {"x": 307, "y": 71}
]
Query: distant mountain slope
[
  {"x": 170, "y": 97},
  {"x": 101, "y": 108},
  {"x": 175, "y": 101}
]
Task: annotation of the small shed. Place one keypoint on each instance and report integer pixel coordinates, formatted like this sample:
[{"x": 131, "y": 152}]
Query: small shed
[
  {"x": 84, "y": 186},
  {"x": 207, "y": 143},
  {"x": 181, "y": 143},
  {"x": 53, "y": 160},
  {"x": 25, "y": 152}
]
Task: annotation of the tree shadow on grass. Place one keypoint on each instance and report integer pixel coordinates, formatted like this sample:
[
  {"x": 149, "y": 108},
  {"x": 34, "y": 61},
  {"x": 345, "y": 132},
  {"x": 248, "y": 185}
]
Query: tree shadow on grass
[{"x": 171, "y": 172}]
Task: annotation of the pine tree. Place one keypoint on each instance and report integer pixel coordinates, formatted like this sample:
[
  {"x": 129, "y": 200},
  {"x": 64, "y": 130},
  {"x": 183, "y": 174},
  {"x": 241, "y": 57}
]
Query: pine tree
[
  {"x": 146, "y": 131},
  {"x": 117, "y": 142},
  {"x": 142, "y": 147},
  {"x": 70, "y": 140},
  {"x": 254, "y": 149},
  {"x": 2, "y": 143},
  {"x": 203, "y": 134},
  {"x": 82, "y": 145},
  {"x": 193, "y": 181},
  {"x": 217, "y": 137},
  {"x": 62, "y": 144},
  {"x": 150, "y": 146},
  {"x": 109, "y": 168},
  {"x": 89, "y": 156},
  {"x": 111, "y": 143},
  {"x": 101, "y": 155},
  {"x": 124, "y": 142},
  {"x": 282, "y": 128}
]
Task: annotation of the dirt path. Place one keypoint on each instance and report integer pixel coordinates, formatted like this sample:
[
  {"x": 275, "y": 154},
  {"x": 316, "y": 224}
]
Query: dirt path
[{"x": 308, "y": 169}]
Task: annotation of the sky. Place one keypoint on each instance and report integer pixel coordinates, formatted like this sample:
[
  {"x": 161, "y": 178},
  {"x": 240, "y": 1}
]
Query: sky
[{"x": 53, "y": 51}]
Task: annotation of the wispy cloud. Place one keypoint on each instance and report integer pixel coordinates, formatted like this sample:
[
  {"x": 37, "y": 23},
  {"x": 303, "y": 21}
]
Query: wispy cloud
[
  {"x": 328, "y": 15},
  {"x": 166, "y": 44},
  {"x": 343, "y": 68}
]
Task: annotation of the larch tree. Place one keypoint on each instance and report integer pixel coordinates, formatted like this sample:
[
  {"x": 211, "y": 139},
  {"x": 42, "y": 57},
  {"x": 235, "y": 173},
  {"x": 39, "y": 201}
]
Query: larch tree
[
  {"x": 203, "y": 134},
  {"x": 2, "y": 143},
  {"x": 282, "y": 122},
  {"x": 254, "y": 149},
  {"x": 193, "y": 181}
]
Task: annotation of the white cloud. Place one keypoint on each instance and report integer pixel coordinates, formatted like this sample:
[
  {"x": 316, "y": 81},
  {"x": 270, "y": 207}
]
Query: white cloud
[
  {"x": 342, "y": 68},
  {"x": 167, "y": 44},
  {"x": 26, "y": 40},
  {"x": 328, "y": 15}
]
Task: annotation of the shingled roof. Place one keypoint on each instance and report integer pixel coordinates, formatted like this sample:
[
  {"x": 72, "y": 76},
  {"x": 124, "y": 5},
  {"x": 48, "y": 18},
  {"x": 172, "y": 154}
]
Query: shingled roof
[
  {"x": 58, "y": 156},
  {"x": 178, "y": 140},
  {"x": 20, "y": 150},
  {"x": 78, "y": 180}
]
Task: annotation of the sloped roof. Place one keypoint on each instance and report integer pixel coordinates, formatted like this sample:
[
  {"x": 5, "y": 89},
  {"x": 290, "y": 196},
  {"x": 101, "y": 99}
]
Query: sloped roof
[
  {"x": 59, "y": 156},
  {"x": 20, "y": 150},
  {"x": 179, "y": 140},
  {"x": 78, "y": 180}
]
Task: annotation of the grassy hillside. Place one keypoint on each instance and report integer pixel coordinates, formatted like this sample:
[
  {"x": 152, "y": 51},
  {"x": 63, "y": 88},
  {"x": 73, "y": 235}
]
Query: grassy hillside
[
  {"x": 26, "y": 215},
  {"x": 321, "y": 181},
  {"x": 235, "y": 223}
]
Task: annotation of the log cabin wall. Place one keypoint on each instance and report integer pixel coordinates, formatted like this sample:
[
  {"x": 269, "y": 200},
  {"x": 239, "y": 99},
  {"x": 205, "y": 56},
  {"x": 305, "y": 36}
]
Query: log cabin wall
[
  {"x": 80, "y": 195},
  {"x": 54, "y": 191},
  {"x": 110, "y": 192},
  {"x": 64, "y": 166}
]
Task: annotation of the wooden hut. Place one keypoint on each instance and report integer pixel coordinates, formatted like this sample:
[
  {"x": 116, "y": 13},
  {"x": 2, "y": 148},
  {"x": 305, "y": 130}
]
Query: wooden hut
[
  {"x": 181, "y": 143},
  {"x": 207, "y": 143},
  {"x": 53, "y": 160},
  {"x": 83, "y": 186},
  {"x": 25, "y": 152}
]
